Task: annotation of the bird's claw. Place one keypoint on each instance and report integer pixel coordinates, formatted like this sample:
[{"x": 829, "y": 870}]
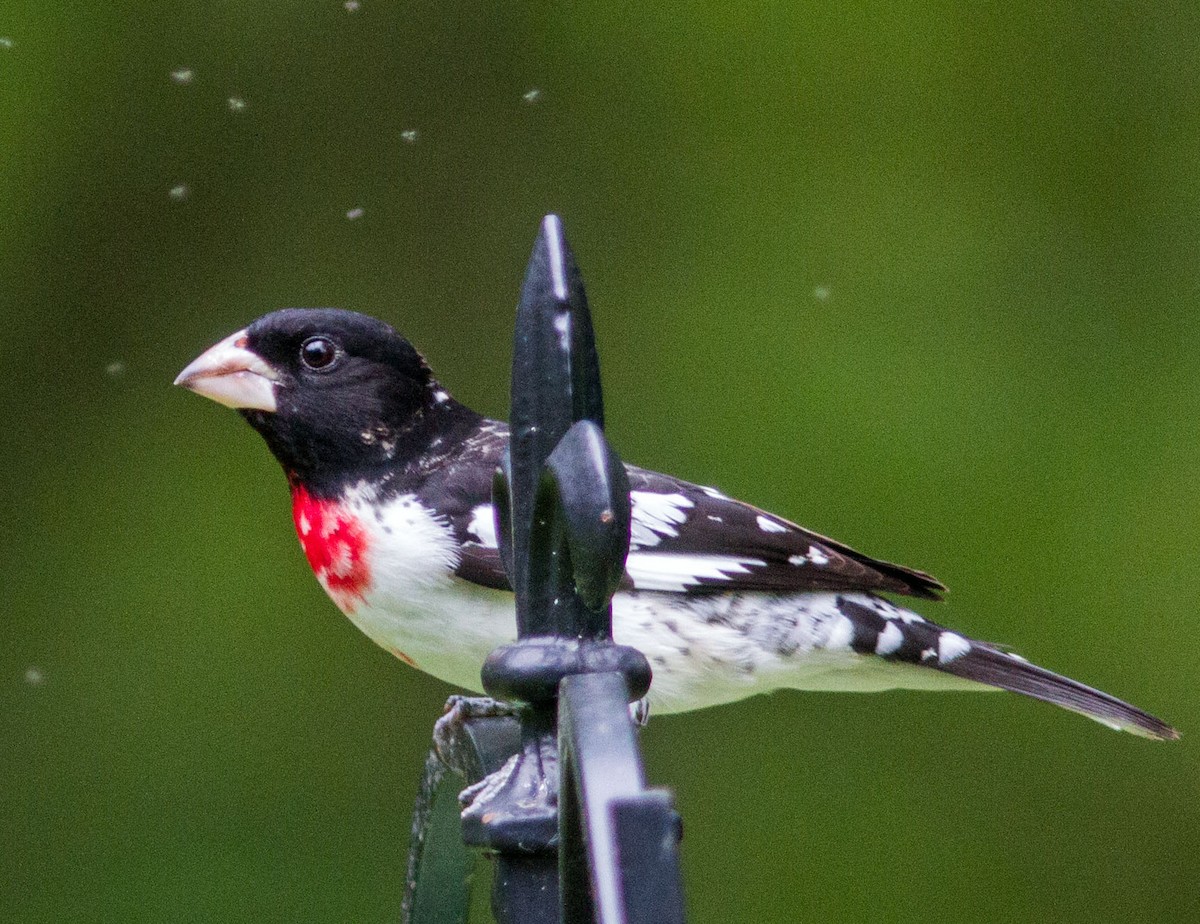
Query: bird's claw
[{"x": 458, "y": 711}]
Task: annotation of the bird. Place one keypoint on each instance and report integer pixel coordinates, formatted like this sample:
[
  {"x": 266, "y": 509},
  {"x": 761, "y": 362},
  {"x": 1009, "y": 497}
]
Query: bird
[{"x": 390, "y": 480}]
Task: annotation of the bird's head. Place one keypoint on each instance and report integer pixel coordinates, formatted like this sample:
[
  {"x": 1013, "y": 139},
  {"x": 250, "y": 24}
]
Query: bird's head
[{"x": 332, "y": 392}]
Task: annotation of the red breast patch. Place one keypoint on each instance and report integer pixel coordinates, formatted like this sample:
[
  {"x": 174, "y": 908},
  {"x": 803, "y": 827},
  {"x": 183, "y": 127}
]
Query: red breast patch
[{"x": 335, "y": 547}]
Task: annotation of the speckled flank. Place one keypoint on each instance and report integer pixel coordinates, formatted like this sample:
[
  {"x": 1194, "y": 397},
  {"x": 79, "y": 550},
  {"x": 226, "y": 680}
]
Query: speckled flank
[{"x": 724, "y": 646}]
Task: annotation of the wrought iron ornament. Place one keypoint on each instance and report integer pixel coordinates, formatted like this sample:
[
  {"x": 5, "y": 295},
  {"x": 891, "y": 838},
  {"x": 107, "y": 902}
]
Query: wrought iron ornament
[{"x": 574, "y": 833}]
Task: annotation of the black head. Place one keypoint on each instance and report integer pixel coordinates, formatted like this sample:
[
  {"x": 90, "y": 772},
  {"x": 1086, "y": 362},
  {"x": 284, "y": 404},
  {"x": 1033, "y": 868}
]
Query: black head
[{"x": 333, "y": 393}]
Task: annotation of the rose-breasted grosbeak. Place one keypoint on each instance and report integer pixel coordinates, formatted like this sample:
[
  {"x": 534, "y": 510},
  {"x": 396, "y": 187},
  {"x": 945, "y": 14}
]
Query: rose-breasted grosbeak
[{"x": 391, "y": 496}]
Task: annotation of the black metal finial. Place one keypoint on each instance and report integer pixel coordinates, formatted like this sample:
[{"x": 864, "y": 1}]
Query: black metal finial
[
  {"x": 562, "y": 495},
  {"x": 556, "y": 387}
]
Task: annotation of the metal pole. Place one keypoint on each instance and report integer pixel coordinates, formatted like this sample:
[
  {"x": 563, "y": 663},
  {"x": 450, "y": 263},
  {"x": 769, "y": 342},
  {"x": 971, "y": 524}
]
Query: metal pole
[{"x": 571, "y": 842}]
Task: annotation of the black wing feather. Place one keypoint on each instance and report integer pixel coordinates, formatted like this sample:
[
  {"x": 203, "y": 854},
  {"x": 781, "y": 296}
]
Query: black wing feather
[{"x": 794, "y": 559}]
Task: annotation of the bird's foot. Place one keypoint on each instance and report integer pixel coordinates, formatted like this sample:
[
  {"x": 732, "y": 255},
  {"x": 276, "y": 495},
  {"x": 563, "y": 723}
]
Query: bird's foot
[{"x": 448, "y": 736}]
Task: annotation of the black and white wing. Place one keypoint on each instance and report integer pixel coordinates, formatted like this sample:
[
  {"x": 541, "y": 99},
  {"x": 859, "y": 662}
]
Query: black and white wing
[
  {"x": 685, "y": 538},
  {"x": 693, "y": 539}
]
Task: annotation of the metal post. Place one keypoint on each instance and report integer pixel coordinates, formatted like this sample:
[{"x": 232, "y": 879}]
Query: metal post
[{"x": 563, "y": 517}]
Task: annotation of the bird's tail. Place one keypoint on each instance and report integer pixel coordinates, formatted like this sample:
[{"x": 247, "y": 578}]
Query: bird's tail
[
  {"x": 899, "y": 636},
  {"x": 988, "y": 664}
]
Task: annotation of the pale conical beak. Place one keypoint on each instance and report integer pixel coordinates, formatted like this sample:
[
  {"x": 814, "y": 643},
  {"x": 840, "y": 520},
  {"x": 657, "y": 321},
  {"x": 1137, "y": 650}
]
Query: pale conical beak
[{"x": 232, "y": 375}]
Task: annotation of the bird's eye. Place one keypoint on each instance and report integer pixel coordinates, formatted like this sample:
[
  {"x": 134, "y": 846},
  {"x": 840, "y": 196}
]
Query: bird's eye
[{"x": 317, "y": 352}]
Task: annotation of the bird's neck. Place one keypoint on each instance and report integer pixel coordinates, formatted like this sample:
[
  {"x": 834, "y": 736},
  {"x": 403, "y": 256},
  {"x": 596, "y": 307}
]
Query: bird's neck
[{"x": 397, "y": 455}]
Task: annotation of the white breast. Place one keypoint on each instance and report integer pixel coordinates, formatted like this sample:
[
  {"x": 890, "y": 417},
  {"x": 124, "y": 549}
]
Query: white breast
[{"x": 416, "y": 607}]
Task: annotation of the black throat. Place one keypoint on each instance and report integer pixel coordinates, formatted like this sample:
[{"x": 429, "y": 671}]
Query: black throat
[{"x": 352, "y": 444}]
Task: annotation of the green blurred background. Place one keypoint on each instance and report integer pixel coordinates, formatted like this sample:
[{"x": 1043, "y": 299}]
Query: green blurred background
[{"x": 921, "y": 276}]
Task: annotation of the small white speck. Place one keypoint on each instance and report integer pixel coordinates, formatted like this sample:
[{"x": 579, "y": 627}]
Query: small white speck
[
  {"x": 305, "y": 526},
  {"x": 951, "y": 645},
  {"x": 822, "y": 293},
  {"x": 716, "y": 519},
  {"x": 532, "y": 96},
  {"x": 928, "y": 654},
  {"x": 5, "y": 42},
  {"x": 114, "y": 369},
  {"x": 440, "y": 397},
  {"x": 34, "y": 677},
  {"x": 841, "y": 634},
  {"x": 817, "y": 555},
  {"x": 483, "y": 525},
  {"x": 355, "y": 214},
  {"x": 410, "y": 136},
  {"x": 713, "y": 492},
  {"x": 179, "y": 193},
  {"x": 235, "y": 104},
  {"x": 797, "y": 560},
  {"x": 767, "y": 525},
  {"x": 890, "y": 640},
  {"x": 562, "y": 324},
  {"x": 183, "y": 76},
  {"x": 351, "y": 6}
]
